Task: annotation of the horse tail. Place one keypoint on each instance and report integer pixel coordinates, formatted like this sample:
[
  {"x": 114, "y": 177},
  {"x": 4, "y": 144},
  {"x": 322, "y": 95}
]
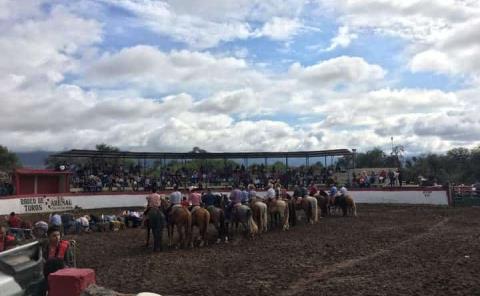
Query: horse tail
[
  {"x": 207, "y": 221},
  {"x": 221, "y": 219},
  {"x": 286, "y": 217},
  {"x": 252, "y": 226},
  {"x": 188, "y": 225},
  {"x": 264, "y": 219},
  {"x": 353, "y": 205},
  {"x": 315, "y": 210}
]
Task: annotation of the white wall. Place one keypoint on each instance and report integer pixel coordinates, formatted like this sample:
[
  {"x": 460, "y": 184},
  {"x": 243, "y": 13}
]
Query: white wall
[
  {"x": 402, "y": 197},
  {"x": 62, "y": 203}
]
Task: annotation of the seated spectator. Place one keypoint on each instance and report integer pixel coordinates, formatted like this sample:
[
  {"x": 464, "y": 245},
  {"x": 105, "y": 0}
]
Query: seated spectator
[
  {"x": 7, "y": 241},
  {"x": 55, "y": 220},
  {"x": 40, "y": 229},
  {"x": 133, "y": 219},
  {"x": 68, "y": 222},
  {"x": 83, "y": 223}
]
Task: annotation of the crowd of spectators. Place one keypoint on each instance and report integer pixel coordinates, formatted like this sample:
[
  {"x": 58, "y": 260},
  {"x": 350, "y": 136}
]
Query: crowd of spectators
[
  {"x": 383, "y": 177},
  {"x": 132, "y": 178},
  {"x": 6, "y": 188}
]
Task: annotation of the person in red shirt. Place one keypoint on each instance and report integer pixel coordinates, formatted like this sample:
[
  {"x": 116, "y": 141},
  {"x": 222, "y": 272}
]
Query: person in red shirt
[
  {"x": 7, "y": 241},
  {"x": 14, "y": 221},
  {"x": 185, "y": 202},
  {"x": 57, "y": 250},
  {"x": 313, "y": 189}
]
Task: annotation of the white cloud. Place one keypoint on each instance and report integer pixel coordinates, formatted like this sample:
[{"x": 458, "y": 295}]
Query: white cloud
[
  {"x": 280, "y": 28},
  {"x": 432, "y": 60},
  {"x": 37, "y": 48},
  {"x": 343, "y": 38},
  {"x": 444, "y": 30},
  {"x": 341, "y": 70},
  {"x": 77, "y": 95},
  {"x": 144, "y": 67},
  {"x": 205, "y": 25}
]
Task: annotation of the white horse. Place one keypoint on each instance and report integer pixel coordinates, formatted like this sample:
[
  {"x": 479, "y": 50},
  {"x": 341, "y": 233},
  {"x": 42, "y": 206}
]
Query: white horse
[
  {"x": 279, "y": 208},
  {"x": 260, "y": 214}
]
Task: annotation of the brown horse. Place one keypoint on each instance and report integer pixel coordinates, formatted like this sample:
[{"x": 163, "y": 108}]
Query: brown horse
[
  {"x": 323, "y": 200},
  {"x": 217, "y": 218},
  {"x": 279, "y": 213},
  {"x": 347, "y": 204},
  {"x": 309, "y": 205},
  {"x": 260, "y": 214},
  {"x": 200, "y": 219},
  {"x": 182, "y": 219}
]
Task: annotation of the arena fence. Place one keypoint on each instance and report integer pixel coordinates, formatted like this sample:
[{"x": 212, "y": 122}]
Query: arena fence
[{"x": 60, "y": 203}]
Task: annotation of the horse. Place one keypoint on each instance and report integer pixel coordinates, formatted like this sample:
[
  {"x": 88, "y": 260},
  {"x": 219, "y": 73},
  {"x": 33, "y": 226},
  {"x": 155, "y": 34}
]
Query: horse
[
  {"x": 309, "y": 205},
  {"x": 279, "y": 213},
  {"x": 182, "y": 219},
  {"x": 156, "y": 223},
  {"x": 323, "y": 200},
  {"x": 201, "y": 219},
  {"x": 260, "y": 214},
  {"x": 347, "y": 204},
  {"x": 217, "y": 218},
  {"x": 242, "y": 214}
]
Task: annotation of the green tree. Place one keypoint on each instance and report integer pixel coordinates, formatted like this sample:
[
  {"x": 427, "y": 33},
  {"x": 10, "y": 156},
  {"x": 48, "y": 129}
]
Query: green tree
[
  {"x": 106, "y": 148},
  {"x": 8, "y": 160},
  {"x": 374, "y": 158}
]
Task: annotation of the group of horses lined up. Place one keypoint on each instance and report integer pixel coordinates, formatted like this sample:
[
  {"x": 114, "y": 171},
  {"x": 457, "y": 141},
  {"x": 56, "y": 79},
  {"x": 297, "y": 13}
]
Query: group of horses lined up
[{"x": 256, "y": 217}]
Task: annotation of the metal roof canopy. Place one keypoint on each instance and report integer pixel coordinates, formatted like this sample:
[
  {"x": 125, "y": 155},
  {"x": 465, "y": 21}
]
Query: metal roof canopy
[{"x": 200, "y": 155}]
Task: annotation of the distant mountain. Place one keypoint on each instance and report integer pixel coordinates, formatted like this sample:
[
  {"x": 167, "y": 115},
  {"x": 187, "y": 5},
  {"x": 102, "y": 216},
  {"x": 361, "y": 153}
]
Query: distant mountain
[{"x": 35, "y": 159}]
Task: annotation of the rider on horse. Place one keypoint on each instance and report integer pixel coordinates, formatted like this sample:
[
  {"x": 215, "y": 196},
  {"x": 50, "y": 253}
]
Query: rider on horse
[
  {"x": 235, "y": 199},
  {"x": 195, "y": 200},
  {"x": 271, "y": 194},
  {"x": 155, "y": 219},
  {"x": 209, "y": 199},
  {"x": 245, "y": 196},
  {"x": 175, "y": 200},
  {"x": 343, "y": 191},
  {"x": 313, "y": 190}
]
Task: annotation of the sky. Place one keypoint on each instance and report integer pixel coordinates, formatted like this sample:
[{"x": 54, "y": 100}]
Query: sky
[{"x": 240, "y": 75}]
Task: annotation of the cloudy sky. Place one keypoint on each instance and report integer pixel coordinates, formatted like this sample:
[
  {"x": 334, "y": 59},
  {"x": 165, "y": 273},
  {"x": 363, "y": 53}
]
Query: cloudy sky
[{"x": 265, "y": 75}]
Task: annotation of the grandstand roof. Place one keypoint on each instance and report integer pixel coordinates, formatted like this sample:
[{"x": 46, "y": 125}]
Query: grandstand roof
[{"x": 201, "y": 155}]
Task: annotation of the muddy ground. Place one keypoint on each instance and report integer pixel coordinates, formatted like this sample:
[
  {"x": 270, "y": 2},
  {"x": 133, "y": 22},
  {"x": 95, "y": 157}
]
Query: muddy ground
[{"x": 386, "y": 250}]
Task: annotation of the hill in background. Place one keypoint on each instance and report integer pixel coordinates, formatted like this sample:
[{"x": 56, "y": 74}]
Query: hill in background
[{"x": 34, "y": 159}]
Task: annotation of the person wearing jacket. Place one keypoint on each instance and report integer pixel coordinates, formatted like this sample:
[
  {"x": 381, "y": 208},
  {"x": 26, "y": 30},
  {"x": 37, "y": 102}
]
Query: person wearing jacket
[{"x": 57, "y": 253}]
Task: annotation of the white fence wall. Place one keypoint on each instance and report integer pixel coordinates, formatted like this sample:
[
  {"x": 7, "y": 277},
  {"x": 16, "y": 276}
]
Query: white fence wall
[{"x": 23, "y": 205}]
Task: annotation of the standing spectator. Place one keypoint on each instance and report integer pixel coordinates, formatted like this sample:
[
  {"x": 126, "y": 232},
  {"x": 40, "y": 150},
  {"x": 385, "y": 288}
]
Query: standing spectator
[
  {"x": 400, "y": 177},
  {"x": 391, "y": 177}
]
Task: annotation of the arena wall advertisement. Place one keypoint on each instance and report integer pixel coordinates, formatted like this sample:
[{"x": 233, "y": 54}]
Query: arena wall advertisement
[{"x": 59, "y": 203}]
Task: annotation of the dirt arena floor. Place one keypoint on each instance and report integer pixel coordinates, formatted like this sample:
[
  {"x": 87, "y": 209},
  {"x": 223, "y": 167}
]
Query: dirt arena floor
[{"x": 386, "y": 250}]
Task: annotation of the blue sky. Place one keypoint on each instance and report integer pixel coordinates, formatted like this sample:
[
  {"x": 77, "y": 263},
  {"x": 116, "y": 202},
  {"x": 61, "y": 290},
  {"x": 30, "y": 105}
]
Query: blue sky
[{"x": 239, "y": 75}]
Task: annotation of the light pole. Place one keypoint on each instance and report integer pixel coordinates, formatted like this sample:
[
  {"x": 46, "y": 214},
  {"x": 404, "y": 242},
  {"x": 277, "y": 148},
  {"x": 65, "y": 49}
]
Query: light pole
[{"x": 391, "y": 138}]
